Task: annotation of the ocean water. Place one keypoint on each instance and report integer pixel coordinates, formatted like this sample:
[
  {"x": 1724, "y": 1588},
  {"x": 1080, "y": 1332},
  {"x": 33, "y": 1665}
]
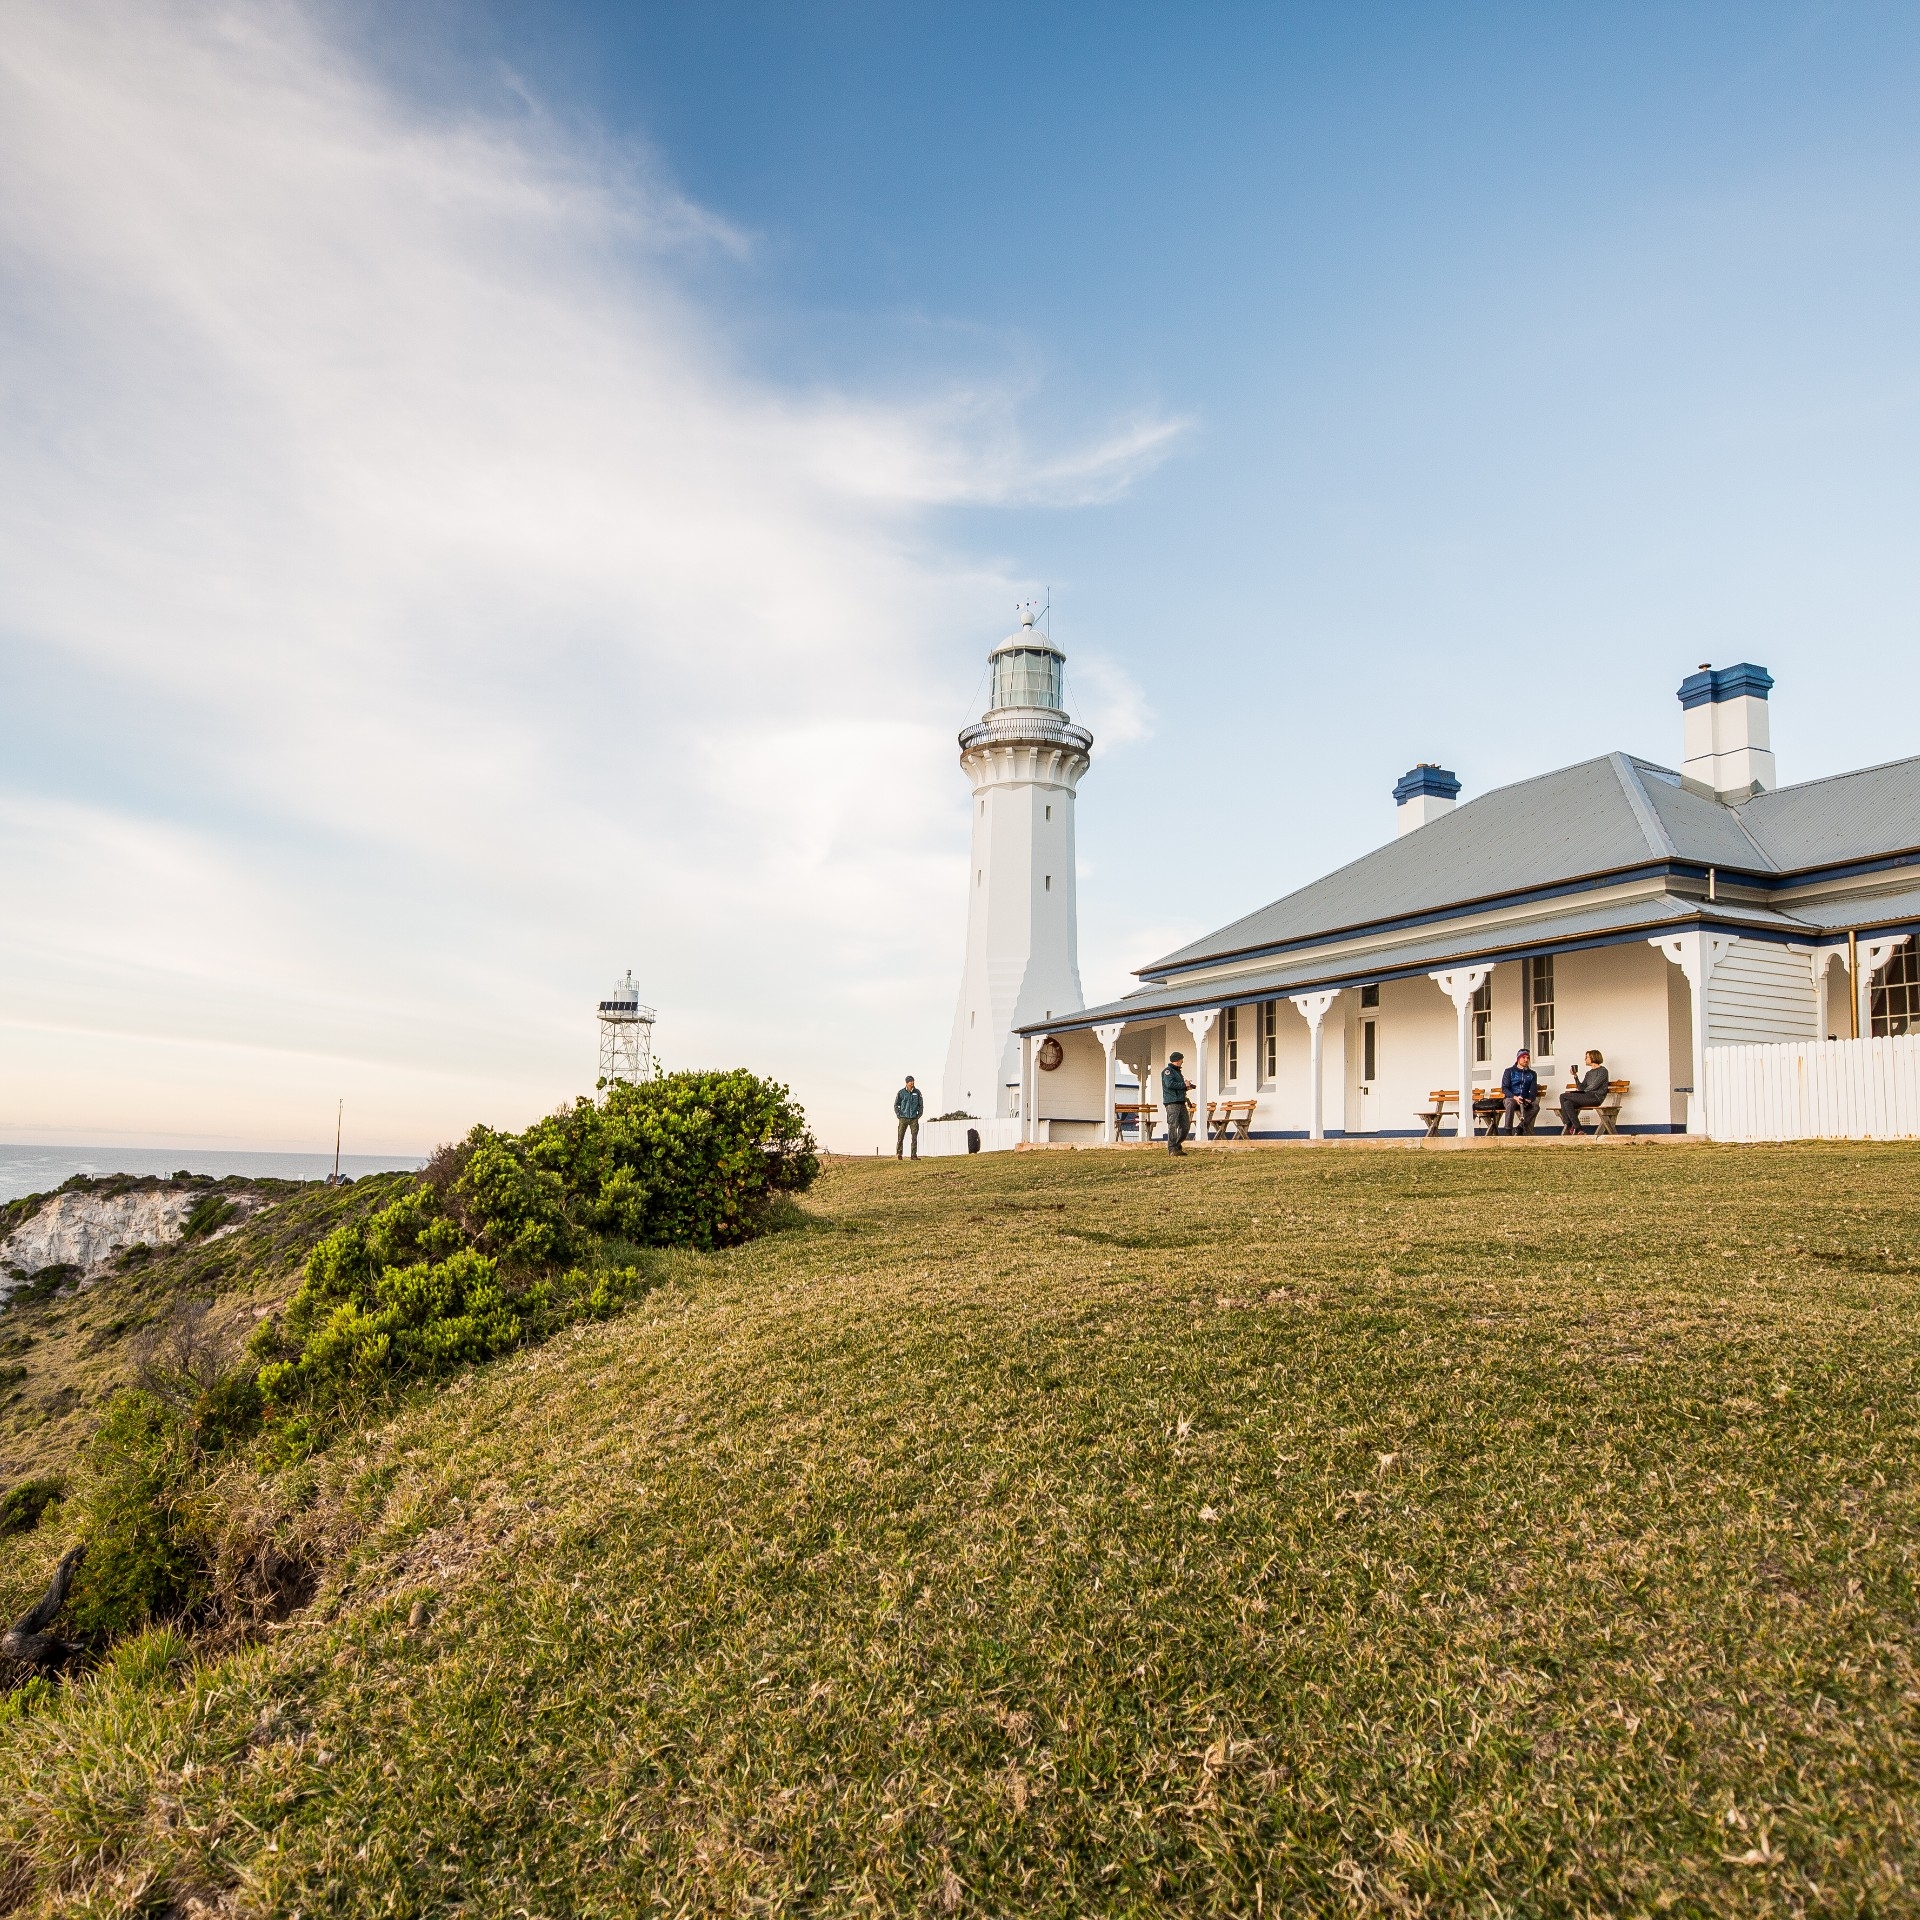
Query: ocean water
[{"x": 40, "y": 1169}]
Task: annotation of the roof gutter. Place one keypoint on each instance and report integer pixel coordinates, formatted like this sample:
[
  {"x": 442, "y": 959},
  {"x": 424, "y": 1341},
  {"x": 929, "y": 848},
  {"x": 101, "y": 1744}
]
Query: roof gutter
[{"x": 1516, "y": 950}]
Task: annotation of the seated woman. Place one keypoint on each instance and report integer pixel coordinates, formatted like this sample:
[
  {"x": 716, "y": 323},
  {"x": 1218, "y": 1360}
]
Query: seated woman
[
  {"x": 1589, "y": 1091},
  {"x": 1519, "y": 1095}
]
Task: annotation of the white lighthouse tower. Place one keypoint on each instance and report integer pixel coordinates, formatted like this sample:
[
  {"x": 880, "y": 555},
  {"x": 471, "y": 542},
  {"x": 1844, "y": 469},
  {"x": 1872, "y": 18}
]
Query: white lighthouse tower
[{"x": 1024, "y": 758}]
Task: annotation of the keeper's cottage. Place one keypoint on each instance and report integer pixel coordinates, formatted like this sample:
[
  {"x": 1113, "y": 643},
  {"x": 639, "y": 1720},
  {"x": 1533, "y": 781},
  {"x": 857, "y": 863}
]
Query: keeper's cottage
[{"x": 1741, "y": 952}]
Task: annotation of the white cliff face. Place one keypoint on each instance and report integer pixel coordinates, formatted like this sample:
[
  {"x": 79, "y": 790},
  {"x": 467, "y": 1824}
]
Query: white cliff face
[{"x": 89, "y": 1230}]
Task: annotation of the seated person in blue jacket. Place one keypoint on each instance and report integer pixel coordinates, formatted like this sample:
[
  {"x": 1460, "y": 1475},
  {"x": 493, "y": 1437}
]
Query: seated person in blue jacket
[
  {"x": 1519, "y": 1095},
  {"x": 1590, "y": 1090}
]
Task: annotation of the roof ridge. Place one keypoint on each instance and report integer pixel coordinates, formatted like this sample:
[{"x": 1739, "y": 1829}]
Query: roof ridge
[
  {"x": 1360, "y": 859},
  {"x": 1767, "y": 861},
  {"x": 1648, "y": 821},
  {"x": 1826, "y": 779},
  {"x": 1753, "y": 840}
]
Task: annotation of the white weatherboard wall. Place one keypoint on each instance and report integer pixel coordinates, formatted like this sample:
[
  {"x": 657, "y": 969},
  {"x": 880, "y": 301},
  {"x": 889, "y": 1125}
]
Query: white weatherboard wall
[
  {"x": 1762, "y": 991},
  {"x": 1815, "y": 1090}
]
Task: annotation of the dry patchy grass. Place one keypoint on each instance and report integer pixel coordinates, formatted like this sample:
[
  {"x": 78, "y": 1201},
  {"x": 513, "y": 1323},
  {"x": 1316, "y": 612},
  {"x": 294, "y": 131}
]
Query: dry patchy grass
[{"x": 1496, "y": 1532}]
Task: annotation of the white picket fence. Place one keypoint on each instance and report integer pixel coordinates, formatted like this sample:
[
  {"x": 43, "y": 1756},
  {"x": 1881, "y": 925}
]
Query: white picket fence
[{"x": 1815, "y": 1090}]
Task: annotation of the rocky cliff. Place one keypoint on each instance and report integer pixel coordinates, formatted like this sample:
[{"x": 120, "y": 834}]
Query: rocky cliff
[{"x": 88, "y": 1231}]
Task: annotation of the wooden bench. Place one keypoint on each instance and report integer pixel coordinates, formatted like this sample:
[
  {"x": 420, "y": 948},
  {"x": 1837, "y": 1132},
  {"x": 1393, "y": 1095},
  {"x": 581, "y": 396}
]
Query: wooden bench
[
  {"x": 1606, "y": 1115},
  {"x": 1445, "y": 1101},
  {"x": 1140, "y": 1112},
  {"x": 1230, "y": 1119}
]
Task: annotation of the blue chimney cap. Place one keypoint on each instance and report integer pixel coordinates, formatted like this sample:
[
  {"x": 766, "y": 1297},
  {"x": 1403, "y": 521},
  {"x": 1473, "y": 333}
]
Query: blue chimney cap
[
  {"x": 1425, "y": 778},
  {"x": 1711, "y": 685}
]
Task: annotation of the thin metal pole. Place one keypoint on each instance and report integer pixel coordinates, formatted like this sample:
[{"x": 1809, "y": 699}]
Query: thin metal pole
[{"x": 339, "y": 1114}]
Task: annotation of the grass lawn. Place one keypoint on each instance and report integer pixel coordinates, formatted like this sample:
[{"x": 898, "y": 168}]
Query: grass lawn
[{"x": 1508, "y": 1531}]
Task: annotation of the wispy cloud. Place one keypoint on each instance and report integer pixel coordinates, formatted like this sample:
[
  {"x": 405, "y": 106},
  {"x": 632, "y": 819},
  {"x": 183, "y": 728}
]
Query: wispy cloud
[
  {"x": 1108, "y": 699},
  {"x": 411, "y": 616}
]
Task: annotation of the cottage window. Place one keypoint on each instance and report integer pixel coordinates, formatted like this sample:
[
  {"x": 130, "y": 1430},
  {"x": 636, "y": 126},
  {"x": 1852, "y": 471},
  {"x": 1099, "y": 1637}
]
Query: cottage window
[
  {"x": 1270, "y": 1040},
  {"x": 1370, "y": 996},
  {"x": 1369, "y": 1049},
  {"x": 1483, "y": 1021},
  {"x": 1537, "y": 979},
  {"x": 1893, "y": 1001},
  {"x": 1230, "y": 1046}
]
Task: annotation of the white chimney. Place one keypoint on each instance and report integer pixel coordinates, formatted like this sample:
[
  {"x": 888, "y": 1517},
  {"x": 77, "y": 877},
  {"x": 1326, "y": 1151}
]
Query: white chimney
[
  {"x": 1724, "y": 717},
  {"x": 1424, "y": 793}
]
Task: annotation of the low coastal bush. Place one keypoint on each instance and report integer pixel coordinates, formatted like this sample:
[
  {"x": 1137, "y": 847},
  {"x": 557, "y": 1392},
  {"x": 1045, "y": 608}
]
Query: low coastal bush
[
  {"x": 508, "y": 1236},
  {"x": 23, "y": 1506},
  {"x": 137, "y": 1503},
  {"x": 503, "y": 1239}
]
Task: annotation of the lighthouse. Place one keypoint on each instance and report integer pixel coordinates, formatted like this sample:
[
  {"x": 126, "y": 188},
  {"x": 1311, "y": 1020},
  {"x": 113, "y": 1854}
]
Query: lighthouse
[{"x": 1023, "y": 758}]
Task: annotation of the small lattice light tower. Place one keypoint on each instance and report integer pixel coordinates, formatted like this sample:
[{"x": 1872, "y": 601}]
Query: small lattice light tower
[{"x": 626, "y": 1035}]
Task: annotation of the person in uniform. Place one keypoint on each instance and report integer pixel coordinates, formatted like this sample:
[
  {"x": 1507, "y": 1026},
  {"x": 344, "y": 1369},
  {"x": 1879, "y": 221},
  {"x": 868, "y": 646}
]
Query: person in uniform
[{"x": 1173, "y": 1096}]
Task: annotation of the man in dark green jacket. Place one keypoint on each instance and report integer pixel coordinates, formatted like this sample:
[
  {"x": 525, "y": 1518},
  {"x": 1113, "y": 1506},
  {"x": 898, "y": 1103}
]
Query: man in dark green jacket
[
  {"x": 1173, "y": 1096},
  {"x": 907, "y": 1109}
]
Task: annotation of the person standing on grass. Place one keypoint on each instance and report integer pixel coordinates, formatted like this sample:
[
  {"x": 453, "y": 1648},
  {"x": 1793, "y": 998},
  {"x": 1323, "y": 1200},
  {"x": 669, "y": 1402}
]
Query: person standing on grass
[
  {"x": 1590, "y": 1090},
  {"x": 908, "y": 1106},
  {"x": 1519, "y": 1095},
  {"x": 1173, "y": 1096}
]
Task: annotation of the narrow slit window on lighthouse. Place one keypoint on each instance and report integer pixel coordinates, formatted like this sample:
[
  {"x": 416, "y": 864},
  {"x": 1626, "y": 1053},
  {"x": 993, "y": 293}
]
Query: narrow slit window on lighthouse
[
  {"x": 1049, "y": 813},
  {"x": 1049, "y": 883}
]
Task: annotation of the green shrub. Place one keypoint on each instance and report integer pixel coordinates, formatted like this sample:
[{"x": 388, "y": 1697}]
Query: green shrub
[
  {"x": 138, "y": 1497},
  {"x": 207, "y": 1214},
  {"x": 691, "y": 1159},
  {"x": 45, "y": 1284},
  {"x": 22, "y": 1506},
  {"x": 36, "y": 1691},
  {"x": 508, "y": 1236},
  {"x": 355, "y": 1323}
]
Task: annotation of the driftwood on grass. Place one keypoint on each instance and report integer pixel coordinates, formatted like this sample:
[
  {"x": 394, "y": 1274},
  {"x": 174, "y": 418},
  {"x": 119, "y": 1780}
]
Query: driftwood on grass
[{"x": 30, "y": 1638}]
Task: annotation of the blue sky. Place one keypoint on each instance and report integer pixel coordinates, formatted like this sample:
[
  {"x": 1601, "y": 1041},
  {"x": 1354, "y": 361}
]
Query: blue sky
[{"x": 502, "y": 493}]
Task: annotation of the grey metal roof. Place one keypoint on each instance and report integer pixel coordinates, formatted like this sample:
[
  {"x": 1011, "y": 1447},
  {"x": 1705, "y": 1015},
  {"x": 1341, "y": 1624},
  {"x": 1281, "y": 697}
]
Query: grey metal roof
[
  {"x": 1860, "y": 910},
  {"x": 1852, "y": 816},
  {"x": 1697, "y": 828},
  {"x": 1577, "y": 925},
  {"x": 1573, "y": 825}
]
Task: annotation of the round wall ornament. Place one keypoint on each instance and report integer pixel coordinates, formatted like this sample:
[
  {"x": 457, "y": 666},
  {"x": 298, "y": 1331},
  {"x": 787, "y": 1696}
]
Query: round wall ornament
[{"x": 1050, "y": 1055}]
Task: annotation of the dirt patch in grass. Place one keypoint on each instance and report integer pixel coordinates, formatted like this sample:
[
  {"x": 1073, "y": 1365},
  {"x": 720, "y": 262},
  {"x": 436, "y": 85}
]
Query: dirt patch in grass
[{"x": 1504, "y": 1532}]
